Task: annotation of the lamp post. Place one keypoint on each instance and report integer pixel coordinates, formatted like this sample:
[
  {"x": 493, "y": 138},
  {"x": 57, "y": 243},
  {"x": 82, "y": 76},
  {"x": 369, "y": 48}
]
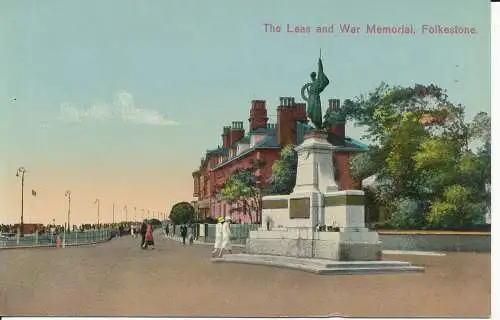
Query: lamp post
[
  {"x": 135, "y": 214},
  {"x": 113, "y": 213},
  {"x": 126, "y": 213},
  {"x": 68, "y": 195},
  {"x": 143, "y": 214},
  {"x": 20, "y": 173},
  {"x": 97, "y": 201}
]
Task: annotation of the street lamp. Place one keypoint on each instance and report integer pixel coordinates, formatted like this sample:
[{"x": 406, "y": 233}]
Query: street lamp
[
  {"x": 113, "y": 213},
  {"x": 20, "y": 173},
  {"x": 135, "y": 214},
  {"x": 97, "y": 201},
  {"x": 68, "y": 194},
  {"x": 143, "y": 213},
  {"x": 126, "y": 213}
]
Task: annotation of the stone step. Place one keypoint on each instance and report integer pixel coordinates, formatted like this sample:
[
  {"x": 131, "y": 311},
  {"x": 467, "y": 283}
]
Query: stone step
[
  {"x": 326, "y": 267},
  {"x": 319, "y": 262}
]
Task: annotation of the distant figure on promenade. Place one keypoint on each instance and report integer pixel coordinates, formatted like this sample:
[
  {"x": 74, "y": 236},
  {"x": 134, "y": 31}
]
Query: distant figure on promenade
[
  {"x": 149, "y": 237},
  {"x": 226, "y": 237},
  {"x": 218, "y": 236},
  {"x": 191, "y": 235},
  {"x": 166, "y": 229},
  {"x": 184, "y": 233},
  {"x": 132, "y": 233},
  {"x": 142, "y": 231}
]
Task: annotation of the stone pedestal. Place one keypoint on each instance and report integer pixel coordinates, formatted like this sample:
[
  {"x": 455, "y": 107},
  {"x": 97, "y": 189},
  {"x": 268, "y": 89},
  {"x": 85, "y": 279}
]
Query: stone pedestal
[
  {"x": 316, "y": 228},
  {"x": 315, "y": 201}
]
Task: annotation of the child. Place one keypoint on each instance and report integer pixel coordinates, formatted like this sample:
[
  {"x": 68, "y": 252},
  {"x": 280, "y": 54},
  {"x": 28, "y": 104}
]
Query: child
[{"x": 149, "y": 237}]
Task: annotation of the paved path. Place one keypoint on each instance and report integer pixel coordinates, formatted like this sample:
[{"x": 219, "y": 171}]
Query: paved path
[{"x": 118, "y": 278}]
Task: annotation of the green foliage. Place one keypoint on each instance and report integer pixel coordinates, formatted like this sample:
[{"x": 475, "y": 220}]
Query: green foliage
[
  {"x": 181, "y": 213},
  {"x": 242, "y": 189},
  {"x": 362, "y": 166},
  {"x": 456, "y": 208},
  {"x": 284, "y": 172},
  {"x": 421, "y": 144},
  {"x": 407, "y": 213},
  {"x": 155, "y": 222}
]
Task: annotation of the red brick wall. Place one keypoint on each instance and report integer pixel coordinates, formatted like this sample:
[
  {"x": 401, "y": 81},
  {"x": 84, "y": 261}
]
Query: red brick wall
[
  {"x": 222, "y": 174},
  {"x": 288, "y": 115},
  {"x": 339, "y": 130},
  {"x": 236, "y": 134},
  {"x": 341, "y": 165}
]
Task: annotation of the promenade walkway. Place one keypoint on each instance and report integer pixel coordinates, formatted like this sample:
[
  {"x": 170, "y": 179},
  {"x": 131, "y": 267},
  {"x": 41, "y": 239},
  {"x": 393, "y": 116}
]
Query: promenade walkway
[{"x": 118, "y": 278}]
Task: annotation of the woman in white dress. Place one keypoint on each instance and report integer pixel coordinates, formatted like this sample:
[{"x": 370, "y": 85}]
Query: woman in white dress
[
  {"x": 226, "y": 236},
  {"x": 218, "y": 236}
]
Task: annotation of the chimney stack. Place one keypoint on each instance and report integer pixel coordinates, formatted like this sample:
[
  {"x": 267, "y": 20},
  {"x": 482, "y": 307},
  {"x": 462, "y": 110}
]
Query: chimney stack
[
  {"x": 226, "y": 131},
  {"x": 339, "y": 128},
  {"x": 258, "y": 115},
  {"x": 289, "y": 112},
  {"x": 237, "y": 132},
  {"x": 334, "y": 104}
]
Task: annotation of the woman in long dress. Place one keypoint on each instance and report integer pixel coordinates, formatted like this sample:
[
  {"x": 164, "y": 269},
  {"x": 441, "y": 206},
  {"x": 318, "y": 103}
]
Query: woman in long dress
[
  {"x": 226, "y": 237},
  {"x": 218, "y": 236},
  {"x": 149, "y": 237}
]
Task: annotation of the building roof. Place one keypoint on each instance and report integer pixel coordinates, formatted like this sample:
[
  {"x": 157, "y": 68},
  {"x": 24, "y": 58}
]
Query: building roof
[
  {"x": 269, "y": 141},
  {"x": 245, "y": 139},
  {"x": 219, "y": 151}
]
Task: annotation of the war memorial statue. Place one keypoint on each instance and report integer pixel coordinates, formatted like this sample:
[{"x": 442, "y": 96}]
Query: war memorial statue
[{"x": 314, "y": 89}]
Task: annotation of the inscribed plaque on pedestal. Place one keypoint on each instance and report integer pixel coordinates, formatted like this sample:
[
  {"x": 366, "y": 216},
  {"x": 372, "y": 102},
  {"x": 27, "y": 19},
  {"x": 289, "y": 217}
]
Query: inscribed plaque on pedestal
[{"x": 300, "y": 208}]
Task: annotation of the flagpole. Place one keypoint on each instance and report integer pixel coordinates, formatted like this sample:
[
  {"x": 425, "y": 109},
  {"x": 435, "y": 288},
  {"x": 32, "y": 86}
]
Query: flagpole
[{"x": 20, "y": 173}]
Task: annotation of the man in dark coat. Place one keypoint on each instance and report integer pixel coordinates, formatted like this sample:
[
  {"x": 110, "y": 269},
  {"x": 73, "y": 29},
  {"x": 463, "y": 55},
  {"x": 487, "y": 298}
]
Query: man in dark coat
[
  {"x": 143, "y": 233},
  {"x": 184, "y": 233}
]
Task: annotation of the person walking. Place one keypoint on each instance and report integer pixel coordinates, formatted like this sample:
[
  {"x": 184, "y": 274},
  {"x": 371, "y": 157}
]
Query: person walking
[
  {"x": 166, "y": 230},
  {"x": 191, "y": 235},
  {"x": 226, "y": 237},
  {"x": 149, "y": 237},
  {"x": 218, "y": 236},
  {"x": 183, "y": 233},
  {"x": 142, "y": 231}
]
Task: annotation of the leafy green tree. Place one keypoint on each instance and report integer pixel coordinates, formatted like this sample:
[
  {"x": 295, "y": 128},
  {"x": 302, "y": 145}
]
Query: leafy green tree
[
  {"x": 284, "y": 172},
  {"x": 181, "y": 213},
  {"x": 456, "y": 208},
  {"x": 242, "y": 189},
  {"x": 421, "y": 144}
]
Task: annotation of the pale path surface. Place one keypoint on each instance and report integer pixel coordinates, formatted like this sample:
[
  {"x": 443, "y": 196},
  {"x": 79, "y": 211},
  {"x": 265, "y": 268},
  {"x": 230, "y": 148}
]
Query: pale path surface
[{"x": 118, "y": 278}]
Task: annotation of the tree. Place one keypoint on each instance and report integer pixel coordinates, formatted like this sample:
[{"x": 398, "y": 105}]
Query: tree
[
  {"x": 155, "y": 222},
  {"x": 242, "y": 189},
  {"x": 421, "y": 144},
  {"x": 456, "y": 208},
  {"x": 181, "y": 213},
  {"x": 284, "y": 172}
]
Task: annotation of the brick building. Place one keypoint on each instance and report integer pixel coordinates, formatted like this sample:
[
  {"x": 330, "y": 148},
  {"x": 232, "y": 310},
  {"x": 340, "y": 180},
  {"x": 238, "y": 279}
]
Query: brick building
[{"x": 264, "y": 141}]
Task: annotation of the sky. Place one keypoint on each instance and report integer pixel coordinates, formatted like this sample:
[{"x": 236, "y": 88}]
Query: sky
[{"x": 118, "y": 100}]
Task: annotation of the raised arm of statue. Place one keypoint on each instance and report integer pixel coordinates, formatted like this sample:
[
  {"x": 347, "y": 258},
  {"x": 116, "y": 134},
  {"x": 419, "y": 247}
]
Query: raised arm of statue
[{"x": 322, "y": 79}]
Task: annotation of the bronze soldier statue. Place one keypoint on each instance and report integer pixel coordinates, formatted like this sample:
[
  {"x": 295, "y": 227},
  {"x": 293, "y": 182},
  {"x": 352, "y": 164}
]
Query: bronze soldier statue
[{"x": 314, "y": 89}]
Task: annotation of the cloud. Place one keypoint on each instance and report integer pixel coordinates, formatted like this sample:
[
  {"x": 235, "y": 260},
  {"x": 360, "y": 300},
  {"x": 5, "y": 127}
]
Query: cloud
[{"x": 123, "y": 108}]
